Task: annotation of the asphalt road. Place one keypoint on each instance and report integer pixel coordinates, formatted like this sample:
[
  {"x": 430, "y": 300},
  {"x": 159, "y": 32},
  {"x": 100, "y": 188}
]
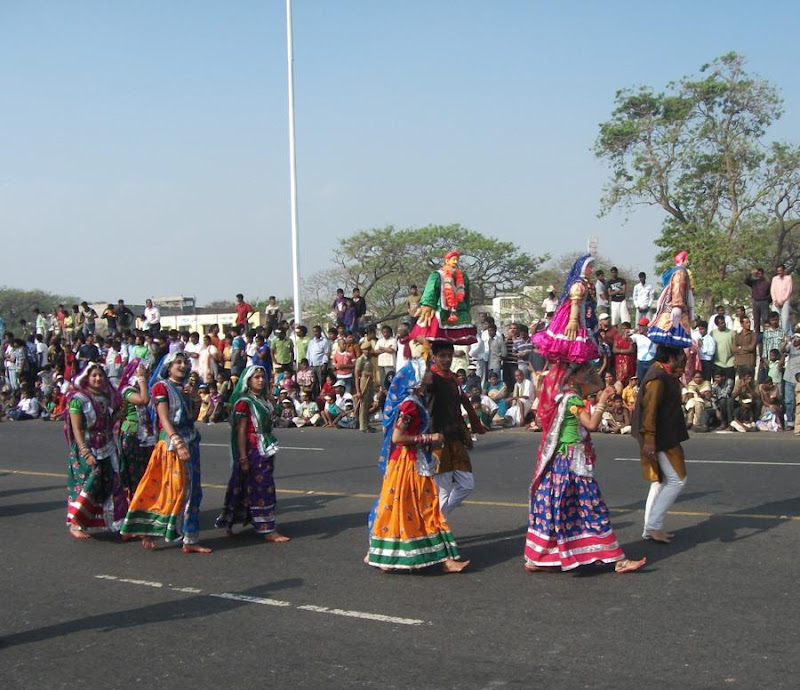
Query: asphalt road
[{"x": 717, "y": 608}]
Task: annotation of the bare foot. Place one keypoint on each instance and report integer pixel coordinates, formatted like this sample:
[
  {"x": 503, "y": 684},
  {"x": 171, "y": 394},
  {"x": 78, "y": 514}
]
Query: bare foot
[
  {"x": 660, "y": 536},
  {"x": 276, "y": 538},
  {"x": 127, "y": 537},
  {"x": 229, "y": 532},
  {"x": 148, "y": 543},
  {"x": 453, "y": 566},
  {"x": 195, "y": 548},
  {"x": 542, "y": 568},
  {"x": 628, "y": 566},
  {"x": 78, "y": 533}
]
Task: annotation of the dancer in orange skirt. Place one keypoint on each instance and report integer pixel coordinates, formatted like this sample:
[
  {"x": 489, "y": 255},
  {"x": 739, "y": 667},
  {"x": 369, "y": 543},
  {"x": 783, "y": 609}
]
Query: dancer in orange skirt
[{"x": 407, "y": 529}]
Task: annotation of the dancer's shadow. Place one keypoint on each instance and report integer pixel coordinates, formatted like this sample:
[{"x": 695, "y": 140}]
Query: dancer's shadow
[
  {"x": 25, "y": 508},
  {"x": 315, "y": 473},
  {"x": 29, "y": 490},
  {"x": 199, "y": 606},
  {"x": 487, "y": 550}
]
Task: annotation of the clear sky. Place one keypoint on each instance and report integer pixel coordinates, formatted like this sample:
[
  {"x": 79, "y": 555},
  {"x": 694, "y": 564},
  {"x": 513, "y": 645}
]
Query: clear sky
[{"x": 143, "y": 145}]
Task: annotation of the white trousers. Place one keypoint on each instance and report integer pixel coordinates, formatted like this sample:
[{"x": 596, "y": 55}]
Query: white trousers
[
  {"x": 619, "y": 313},
  {"x": 453, "y": 487},
  {"x": 662, "y": 496}
]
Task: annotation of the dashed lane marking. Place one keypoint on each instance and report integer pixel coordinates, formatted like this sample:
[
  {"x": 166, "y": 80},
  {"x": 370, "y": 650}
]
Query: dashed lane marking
[
  {"x": 363, "y": 615},
  {"x": 488, "y": 504},
  {"x": 228, "y": 445}
]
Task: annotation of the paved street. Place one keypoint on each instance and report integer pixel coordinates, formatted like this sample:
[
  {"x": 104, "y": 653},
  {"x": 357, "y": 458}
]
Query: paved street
[{"x": 718, "y": 608}]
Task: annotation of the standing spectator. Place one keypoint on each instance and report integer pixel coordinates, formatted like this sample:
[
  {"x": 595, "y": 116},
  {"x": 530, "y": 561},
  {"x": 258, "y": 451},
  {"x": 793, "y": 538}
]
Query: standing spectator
[
  {"x": 781, "y": 292},
  {"x": 87, "y": 352},
  {"x": 617, "y": 287},
  {"x": 706, "y": 348},
  {"x": 720, "y": 311},
  {"x": 723, "y": 356},
  {"x": 645, "y": 348},
  {"x": 760, "y": 294},
  {"x": 339, "y": 307},
  {"x": 364, "y": 381},
  {"x": 385, "y": 348},
  {"x": 41, "y": 351},
  {"x": 125, "y": 317},
  {"x": 359, "y": 309},
  {"x": 192, "y": 350},
  {"x": 282, "y": 351},
  {"x": 301, "y": 340},
  {"x": 744, "y": 349},
  {"x": 113, "y": 362},
  {"x": 244, "y": 311},
  {"x": 40, "y": 325},
  {"x": 273, "y": 315},
  {"x": 791, "y": 367},
  {"x": 318, "y": 354},
  {"x": 238, "y": 353},
  {"x": 343, "y": 362},
  {"x": 523, "y": 349},
  {"x": 772, "y": 337},
  {"x": 412, "y": 303},
  {"x": 89, "y": 318},
  {"x": 403, "y": 346},
  {"x": 152, "y": 317},
  {"x": 207, "y": 361},
  {"x": 111, "y": 319},
  {"x": 738, "y": 314},
  {"x": 601, "y": 290},
  {"x": 643, "y": 296},
  {"x": 510, "y": 364},
  {"x": 495, "y": 350},
  {"x": 550, "y": 302}
]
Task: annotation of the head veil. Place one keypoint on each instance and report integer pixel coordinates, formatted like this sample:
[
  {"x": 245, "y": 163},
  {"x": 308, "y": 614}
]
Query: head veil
[
  {"x": 577, "y": 271},
  {"x": 80, "y": 387},
  {"x": 260, "y": 411}
]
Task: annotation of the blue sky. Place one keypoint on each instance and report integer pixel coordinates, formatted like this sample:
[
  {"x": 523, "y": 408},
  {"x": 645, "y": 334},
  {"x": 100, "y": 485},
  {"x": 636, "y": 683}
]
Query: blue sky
[{"x": 144, "y": 144}]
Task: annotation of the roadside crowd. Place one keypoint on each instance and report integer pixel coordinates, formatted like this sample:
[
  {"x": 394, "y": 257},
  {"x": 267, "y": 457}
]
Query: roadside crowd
[{"x": 742, "y": 374}]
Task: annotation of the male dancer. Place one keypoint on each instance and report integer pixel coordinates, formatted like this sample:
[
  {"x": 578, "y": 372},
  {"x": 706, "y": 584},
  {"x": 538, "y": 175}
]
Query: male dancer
[
  {"x": 454, "y": 478},
  {"x": 659, "y": 426}
]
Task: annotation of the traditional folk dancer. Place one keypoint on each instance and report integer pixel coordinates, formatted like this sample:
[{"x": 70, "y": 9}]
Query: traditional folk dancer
[
  {"x": 137, "y": 436},
  {"x": 407, "y": 528},
  {"x": 167, "y": 501},
  {"x": 250, "y": 497},
  {"x": 96, "y": 498},
  {"x": 569, "y": 524},
  {"x": 571, "y": 336},
  {"x": 444, "y": 306},
  {"x": 454, "y": 475},
  {"x": 671, "y": 325},
  {"x": 659, "y": 426}
]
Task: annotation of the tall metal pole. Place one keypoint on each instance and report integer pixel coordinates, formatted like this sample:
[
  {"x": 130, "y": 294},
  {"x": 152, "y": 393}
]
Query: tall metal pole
[{"x": 298, "y": 306}]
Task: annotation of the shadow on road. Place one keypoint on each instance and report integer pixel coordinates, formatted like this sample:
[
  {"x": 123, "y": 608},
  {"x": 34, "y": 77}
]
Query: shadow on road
[
  {"x": 199, "y": 606},
  {"x": 30, "y": 489},
  {"x": 25, "y": 508}
]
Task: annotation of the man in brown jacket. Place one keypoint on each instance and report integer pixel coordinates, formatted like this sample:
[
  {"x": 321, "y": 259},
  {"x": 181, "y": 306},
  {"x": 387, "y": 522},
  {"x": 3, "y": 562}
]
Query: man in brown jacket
[
  {"x": 744, "y": 348},
  {"x": 659, "y": 426}
]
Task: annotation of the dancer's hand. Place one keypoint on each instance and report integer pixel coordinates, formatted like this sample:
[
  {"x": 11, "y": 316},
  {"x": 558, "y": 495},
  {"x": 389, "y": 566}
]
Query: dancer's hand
[
  {"x": 571, "y": 331},
  {"x": 425, "y": 316},
  {"x": 605, "y": 394},
  {"x": 649, "y": 451},
  {"x": 437, "y": 440}
]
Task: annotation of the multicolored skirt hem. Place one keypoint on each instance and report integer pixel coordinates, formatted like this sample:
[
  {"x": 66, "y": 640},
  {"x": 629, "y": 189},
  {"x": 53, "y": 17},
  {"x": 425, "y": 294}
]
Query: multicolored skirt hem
[
  {"x": 141, "y": 523},
  {"x": 250, "y": 497},
  {"x": 412, "y": 553},
  {"x": 458, "y": 335},
  {"x": 674, "y": 337}
]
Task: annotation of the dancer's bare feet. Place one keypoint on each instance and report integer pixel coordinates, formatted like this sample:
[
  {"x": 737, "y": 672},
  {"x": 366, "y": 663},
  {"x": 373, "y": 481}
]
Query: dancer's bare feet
[
  {"x": 148, "y": 543},
  {"x": 78, "y": 533},
  {"x": 628, "y": 566},
  {"x": 276, "y": 538},
  {"x": 542, "y": 568},
  {"x": 127, "y": 537},
  {"x": 229, "y": 532},
  {"x": 453, "y": 566},
  {"x": 195, "y": 548},
  {"x": 660, "y": 536}
]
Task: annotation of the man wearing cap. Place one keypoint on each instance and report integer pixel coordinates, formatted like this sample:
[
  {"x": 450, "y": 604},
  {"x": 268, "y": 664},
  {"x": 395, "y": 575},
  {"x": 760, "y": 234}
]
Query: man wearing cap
[
  {"x": 472, "y": 380},
  {"x": 550, "y": 302},
  {"x": 645, "y": 348},
  {"x": 643, "y": 296}
]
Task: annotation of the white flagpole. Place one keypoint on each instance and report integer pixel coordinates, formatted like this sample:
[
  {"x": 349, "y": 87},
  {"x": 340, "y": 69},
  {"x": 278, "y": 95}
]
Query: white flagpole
[{"x": 298, "y": 306}]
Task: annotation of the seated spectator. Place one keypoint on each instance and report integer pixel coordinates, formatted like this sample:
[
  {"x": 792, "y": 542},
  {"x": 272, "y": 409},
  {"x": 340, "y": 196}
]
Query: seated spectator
[
  {"x": 630, "y": 392},
  {"x": 216, "y": 405},
  {"x": 348, "y": 419},
  {"x": 617, "y": 419},
  {"x": 498, "y": 392},
  {"x": 28, "y": 407},
  {"x": 8, "y": 400},
  {"x": 472, "y": 377},
  {"x": 480, "y": 411},
  {"x": 286, "y": 411},
  {"x": 205, "y": 401},
  {"x": 521, "y": 400},
  {"x": 330, "y": 411},
  {"x": 746, "y": 388},
  {"x": 697, "y": 401},
  {"x": 722, "y": 403},
  {"x": 744, "y": 418},
  {"x": 309, "y": 411}
]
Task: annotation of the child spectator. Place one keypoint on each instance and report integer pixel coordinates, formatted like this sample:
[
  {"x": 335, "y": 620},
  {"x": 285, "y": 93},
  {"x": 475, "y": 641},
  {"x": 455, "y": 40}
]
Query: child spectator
[
  {"x": 309, "y": 411},
  {"x": 744, "y": 418}
]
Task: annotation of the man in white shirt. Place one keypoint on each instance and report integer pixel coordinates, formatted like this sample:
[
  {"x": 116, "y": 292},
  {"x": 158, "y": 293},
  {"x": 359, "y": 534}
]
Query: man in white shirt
[
  {"x": 550, "y": 302},
  {"x": 386, "y": 349},
  {"x": 403, "y": 346},
  {"x": 192, "y": 350},
  {"x": 645, "y": 348},
  {"x": 152, "y": 317},
  {"x": 521, "y": 400},
  {"x": 643, "y": 297},
  {"x": 318, "y": 354},
  {"x": 601, "y": 291},
  {"x": 706, "y": 348},
  {"x": 495, "y": 351},
  {"x": 720, "y": 311}
]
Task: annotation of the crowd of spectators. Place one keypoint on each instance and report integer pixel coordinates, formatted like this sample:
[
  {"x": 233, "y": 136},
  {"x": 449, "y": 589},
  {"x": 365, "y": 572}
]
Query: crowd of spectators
[{"x": 742, "y": 372}]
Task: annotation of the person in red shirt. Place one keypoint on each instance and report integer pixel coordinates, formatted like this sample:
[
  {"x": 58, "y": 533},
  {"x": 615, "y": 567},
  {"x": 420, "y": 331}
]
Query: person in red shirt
[{"x": 243, "y": 310}]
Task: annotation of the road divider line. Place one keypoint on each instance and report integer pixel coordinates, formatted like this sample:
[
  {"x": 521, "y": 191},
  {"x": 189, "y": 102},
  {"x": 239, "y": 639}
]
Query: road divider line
[
  {"x": 228, "y": 445},
  {"x": 690, "y": 461},
  {"x": 262, "y": 601},
  {"x": 485, "y": 504}
]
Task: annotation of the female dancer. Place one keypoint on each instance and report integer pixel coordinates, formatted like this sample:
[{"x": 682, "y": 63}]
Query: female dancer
[
  {"x": 96, "y": 499},
  {"x": 167, "y": 501},
  {"x": 251, "y": 490},
  {"x": 407, "y": 529},
  {"x": 569, "y": 524},
  {"x": 572, "y": 334},
  {"x": 137, "y": 437}
]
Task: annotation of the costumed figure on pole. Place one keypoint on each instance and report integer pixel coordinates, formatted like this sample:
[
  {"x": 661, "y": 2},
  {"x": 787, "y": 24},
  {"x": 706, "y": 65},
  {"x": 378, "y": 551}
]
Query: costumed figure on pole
[
  {"x": 444, "y": 306},
  {"x": 671, "y": 325}
]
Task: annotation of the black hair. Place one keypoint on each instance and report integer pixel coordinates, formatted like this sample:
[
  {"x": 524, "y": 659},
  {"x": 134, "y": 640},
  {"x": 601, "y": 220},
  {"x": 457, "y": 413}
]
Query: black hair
[
  {"x": 441, "y": 345},
  {"x": 664, "y": 353}
]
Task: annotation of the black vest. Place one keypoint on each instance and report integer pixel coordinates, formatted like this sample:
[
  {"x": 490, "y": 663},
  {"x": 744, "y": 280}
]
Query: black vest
[{"x": 670, "y": 422}]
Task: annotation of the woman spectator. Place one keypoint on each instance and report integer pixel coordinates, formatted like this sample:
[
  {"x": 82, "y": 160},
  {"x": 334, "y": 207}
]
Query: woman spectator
[
  {"x": 624, "y": 351},
  {"x": 207, "y": 361},
  {"x": 497, "y": 391}
]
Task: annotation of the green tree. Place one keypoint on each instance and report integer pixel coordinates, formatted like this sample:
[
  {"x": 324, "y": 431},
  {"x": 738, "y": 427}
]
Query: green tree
[
  {"x": 384, "y": 262},
  {"x": 698, "y": 151},
  {"x": 19, "y": 304}
]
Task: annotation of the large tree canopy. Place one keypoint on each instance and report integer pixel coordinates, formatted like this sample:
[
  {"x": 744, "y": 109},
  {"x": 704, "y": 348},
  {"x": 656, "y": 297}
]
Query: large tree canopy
[
  {"x": 699, "y": 152},
  {"x": 19, "y": 304},
  {"x": 384, "y": 262}
]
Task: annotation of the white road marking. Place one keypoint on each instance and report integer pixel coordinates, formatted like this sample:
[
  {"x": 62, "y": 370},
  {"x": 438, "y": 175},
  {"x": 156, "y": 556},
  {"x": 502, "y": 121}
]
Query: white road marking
[
  {"x": 228, "y": 445},
  {"x": 363, "y": 615},
  {"x": 691, "y": 461}
]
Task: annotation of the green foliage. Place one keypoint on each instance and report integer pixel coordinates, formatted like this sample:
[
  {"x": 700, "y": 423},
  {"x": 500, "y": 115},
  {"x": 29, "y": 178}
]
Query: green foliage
[
  {"x": 698, "y": 152},
  {"x": 19, "y": 304},
  {"x": 384, "y": 262}
]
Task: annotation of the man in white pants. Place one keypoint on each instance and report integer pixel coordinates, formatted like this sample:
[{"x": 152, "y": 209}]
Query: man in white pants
[
  {"x": 659, "y": 426},
  {"x": 454, "y": 476}
]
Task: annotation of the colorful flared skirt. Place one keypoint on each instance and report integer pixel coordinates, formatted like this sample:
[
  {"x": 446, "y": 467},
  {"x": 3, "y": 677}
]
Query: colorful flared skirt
[
  {"x": 554, "y": 345},
  {"x": 409, "y": 530},
  {"x": 167, "y": 500},
  {"x": 569, "y": 523},
  {"x": 250, "y": 497},
  {"x": 458, "y": 335},
  {"x": 133, "y": 459},
  {"x": 96, "y": 499}
]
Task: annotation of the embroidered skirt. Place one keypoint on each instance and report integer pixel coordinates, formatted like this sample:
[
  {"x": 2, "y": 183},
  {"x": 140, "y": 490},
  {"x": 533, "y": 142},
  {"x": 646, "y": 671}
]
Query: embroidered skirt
[{"x": 250, "y": 497}]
